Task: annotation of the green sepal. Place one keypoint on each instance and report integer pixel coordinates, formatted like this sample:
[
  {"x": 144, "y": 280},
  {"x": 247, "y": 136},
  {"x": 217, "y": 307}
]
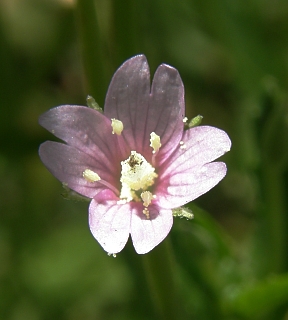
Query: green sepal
[
  {"x": 91, "y": 103},
  {"x": 69, "y": 194},
  {"x": 196, "y": 121},
  {"x": 183, "y": 212}
]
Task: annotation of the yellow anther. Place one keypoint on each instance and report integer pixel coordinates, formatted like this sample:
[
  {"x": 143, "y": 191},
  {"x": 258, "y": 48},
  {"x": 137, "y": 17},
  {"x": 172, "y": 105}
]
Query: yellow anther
[
  {"x": 90, "y": 175},
  {"x": 155, "y": 142},
  {"x": 147, "y": 197},
  {"x": 117, "y": 126}
]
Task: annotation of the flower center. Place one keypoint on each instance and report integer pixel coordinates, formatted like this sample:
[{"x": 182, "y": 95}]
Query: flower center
[{"x": 137, "y": 176}]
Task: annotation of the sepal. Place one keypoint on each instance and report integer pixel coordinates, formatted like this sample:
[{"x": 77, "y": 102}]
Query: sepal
[
  {"x": 69, "y": 194},
  {"x": 91, "y": 103},
  {"x": 183, "y": 212}
]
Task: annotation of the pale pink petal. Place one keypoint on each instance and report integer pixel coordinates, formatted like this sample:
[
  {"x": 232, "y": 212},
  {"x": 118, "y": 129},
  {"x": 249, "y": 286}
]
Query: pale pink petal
[
  {"x": 109, "y": 222},
  {"x": 185, "y": 186},
  {"x": 127, "y": 99},
  {"x": 85, "y": 129},
  {"x": 166, "y": 112},
  {"x": 67, "y": 164},
  {"x": 148, "y": 233},
  {"x": 201, "y": 145}
]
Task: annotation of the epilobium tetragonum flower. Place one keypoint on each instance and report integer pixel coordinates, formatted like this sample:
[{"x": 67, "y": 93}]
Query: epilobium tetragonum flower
[{"x": 136, "y": 162}]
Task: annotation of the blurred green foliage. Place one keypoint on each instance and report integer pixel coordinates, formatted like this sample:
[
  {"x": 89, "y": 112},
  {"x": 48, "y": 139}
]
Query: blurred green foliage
[{"x": 232, "y": 262}]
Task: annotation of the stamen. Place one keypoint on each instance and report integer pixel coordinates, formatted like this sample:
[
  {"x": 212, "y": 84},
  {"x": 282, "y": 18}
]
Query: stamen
[
  {"x": 91, "y": 176},
  {"x": 122, "y": 201},
  {"x": 117, "y": 126},
  {"x": 155, "y": 142},
  {"x": 147, "y": 197},
  {"x": 185, "y": 119},
  {"x": 112, "y": 254},
  {"x": 182, "y": 145},
  {"x": 146, "y": 212}
]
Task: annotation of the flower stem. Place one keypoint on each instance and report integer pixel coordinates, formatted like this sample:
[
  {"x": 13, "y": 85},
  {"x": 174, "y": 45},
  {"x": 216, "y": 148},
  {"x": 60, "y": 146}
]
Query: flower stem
[
  {"x": 159, "y": 265},
  {"x": 92, "y": 49},
  {"x": 275, "y": 219}
]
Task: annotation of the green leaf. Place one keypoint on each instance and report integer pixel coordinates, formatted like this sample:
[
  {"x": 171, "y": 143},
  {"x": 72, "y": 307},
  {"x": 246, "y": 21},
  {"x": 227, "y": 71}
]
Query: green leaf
[
  {"x": 213, "y": 230},
  {"x": 256, "y": 301}
]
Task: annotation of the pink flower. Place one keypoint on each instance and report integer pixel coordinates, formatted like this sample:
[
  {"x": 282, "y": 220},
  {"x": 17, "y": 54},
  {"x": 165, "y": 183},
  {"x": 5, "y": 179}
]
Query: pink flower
[{"x": 136, "y": 162}]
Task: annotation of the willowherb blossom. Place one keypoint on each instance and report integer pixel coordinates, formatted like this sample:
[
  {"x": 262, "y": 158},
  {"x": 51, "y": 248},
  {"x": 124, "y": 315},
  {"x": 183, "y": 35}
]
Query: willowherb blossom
[{"x": 135, "y": 161}]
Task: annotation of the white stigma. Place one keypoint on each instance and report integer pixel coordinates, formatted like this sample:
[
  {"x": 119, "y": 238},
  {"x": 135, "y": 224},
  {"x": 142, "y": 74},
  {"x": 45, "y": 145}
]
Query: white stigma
[
  {"x": 137, "y": 176},
  {"x": 117, "y": 126},
  {"x": 137, "y": 173},
  {"x": 155, "y": 142},
  {"x": 90, "y": 175},
  {"x": 185, "y": 119}
]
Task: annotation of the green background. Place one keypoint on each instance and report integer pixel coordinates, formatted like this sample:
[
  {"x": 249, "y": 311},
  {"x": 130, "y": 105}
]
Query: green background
[{"x": 230, "y": 262}]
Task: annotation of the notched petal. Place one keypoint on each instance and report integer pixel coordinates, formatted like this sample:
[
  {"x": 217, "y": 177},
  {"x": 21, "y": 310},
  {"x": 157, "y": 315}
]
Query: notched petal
[
  {"x": 110, "y": 223},
  {"x": 85, "y": 129},
  {"x": 148, "y": 233},
  {"x": 167, "y": 108},
  {"x": 127, "y": 99},
  {"x": 67, "y": 164},
  {"x": 187, "y": 185},
  {"x": 198, "y": 146}
]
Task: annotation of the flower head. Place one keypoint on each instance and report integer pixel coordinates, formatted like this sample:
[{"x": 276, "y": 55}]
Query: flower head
[{"x": 136, "y": 162}]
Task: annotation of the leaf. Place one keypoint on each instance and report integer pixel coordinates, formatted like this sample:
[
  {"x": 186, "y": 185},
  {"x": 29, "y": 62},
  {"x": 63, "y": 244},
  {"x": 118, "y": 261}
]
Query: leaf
[{"x": 254, "y": 302}]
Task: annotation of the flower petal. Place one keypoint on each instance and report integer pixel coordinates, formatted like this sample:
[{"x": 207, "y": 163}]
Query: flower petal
[
  {"x": 109, "y": 222},
  {"x": 187, "y": 185},
  {"x": 127, "y": 99},
  {"x": 187, "y": 174},
  {"x": 148, "y": 233},
  {"x": 200, "y": 145},
  {"x": 167, "y": 109},
  {"x": 85, "y": 129},
  {"x": 67, "y": 164}
]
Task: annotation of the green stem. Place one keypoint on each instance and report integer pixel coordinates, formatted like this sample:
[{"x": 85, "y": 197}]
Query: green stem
[
  {"x": 275, "y": 219},
  {"x": 159, "y": 265},
  {"x": 274, "y": 150},
  {"x": 92, "y": 49}
]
